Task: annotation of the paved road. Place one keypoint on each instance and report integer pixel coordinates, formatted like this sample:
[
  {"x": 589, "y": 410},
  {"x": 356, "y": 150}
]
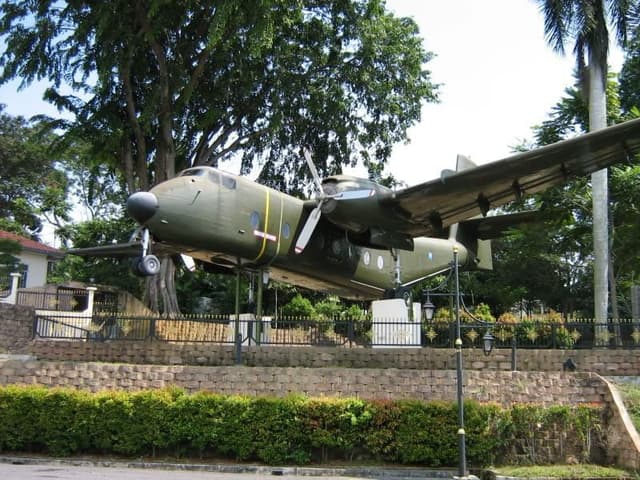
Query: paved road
[{"x": 70, "y": 472}]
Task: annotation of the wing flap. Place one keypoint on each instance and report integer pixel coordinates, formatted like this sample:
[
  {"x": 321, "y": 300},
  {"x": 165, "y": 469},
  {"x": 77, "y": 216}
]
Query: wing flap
[
  {"x": 437, "y": 204},
  {"x": 128, "y": 249}
]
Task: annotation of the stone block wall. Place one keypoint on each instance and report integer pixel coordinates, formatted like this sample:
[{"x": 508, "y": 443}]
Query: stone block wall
[
  {"x": 607, "y": 362},
  {"x": 371, "y": 383},
  {"x": 16, "y": 328}
]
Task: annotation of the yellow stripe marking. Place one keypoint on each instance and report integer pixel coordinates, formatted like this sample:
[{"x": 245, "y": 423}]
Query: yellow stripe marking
[{"x": 266, "y": 228}]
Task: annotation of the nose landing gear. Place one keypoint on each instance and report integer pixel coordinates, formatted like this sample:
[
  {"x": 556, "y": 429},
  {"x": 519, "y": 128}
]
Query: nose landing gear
[{"x": 147, "y": 264}]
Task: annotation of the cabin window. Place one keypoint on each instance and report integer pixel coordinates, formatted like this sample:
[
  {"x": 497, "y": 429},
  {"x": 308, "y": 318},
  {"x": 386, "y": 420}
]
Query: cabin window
[
  {"x": 254, "y": 219},
  {"x": 286, "y": 230},
  {"x": 214, "y": 177},
  {"x": 228, "y": 182}
]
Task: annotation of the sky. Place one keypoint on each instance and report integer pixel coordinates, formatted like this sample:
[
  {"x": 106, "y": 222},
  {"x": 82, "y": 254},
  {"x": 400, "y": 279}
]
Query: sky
[{"x": 498, "y": 78}]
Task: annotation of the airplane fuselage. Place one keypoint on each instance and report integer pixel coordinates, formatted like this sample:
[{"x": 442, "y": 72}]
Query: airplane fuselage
[{"x": 224, "y": 219}]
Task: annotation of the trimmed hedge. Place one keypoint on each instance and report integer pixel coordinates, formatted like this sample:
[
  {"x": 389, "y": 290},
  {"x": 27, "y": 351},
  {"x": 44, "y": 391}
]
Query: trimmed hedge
[{"x": 293, "y": 430}]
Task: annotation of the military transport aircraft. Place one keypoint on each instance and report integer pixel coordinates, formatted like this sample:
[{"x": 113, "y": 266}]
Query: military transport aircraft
[{"x": 356, "y": 239}]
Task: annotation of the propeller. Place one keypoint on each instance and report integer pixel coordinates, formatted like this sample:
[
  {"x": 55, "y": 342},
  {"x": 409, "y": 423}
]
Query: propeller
[{"x": 322, "y": 198}]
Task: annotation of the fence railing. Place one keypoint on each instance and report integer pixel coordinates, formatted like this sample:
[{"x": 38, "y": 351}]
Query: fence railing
[{"x": 224, "y": 329}]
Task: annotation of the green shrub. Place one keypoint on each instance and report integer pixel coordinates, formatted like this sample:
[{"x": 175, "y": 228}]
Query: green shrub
[{"x": 294, "y": 429}]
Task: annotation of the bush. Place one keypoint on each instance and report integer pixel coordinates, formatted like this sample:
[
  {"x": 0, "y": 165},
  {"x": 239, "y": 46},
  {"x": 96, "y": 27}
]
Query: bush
[{"x": 293, "y": 430}]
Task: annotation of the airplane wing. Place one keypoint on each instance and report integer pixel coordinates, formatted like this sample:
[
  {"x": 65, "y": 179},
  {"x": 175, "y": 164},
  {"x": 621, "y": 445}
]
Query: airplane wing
[
  {"x": 427, "y": 208},
  {"x": 486, "y": 228},
  {"x": 128, "y": 249}
]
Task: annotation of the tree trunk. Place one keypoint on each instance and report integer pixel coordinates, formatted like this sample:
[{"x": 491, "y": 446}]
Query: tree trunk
[
  {"x": 599, "y": 185},
  {"x": 160, "y": 290}
]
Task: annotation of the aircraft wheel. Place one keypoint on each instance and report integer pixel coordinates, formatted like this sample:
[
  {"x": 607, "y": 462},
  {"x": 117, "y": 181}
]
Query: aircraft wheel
[
  {"x": 405, "y": 294},
  {"x": 149, "y": 265}
]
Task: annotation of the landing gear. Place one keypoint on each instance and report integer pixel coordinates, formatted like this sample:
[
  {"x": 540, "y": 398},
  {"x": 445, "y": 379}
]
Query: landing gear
[
  {"x": 399, "y": 292},
  {"x": 146, "y": 266}
]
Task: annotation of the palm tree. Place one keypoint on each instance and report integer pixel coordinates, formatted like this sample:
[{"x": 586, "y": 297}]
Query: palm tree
[{"x": 587, "y": 22}]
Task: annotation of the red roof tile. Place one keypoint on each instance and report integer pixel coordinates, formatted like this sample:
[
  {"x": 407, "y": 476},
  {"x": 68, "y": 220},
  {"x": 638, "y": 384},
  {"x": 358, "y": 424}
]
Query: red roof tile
[{"x": 32, "y": 245}]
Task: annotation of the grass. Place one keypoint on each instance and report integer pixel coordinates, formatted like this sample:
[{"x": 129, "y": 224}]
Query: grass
[
  {"x": 631, "y": 397},
  {"x": 564, "y": 471}
]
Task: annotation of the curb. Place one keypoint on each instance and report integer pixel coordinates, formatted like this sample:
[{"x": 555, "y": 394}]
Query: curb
[{"x": 363, "y": 472}]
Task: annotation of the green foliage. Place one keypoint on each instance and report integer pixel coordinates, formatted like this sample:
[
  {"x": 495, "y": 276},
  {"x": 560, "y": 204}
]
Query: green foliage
[
  {"x": 482, "y": 311},
  {"x": 299, "y": 308},
  {"x": 631, "y": 397},
  {"x": 359, "y": 321},
  {"x": 31, "y": 184},
  {"x": 293, "y": 429},
  {"x": 579, "y": 425},
  {"x": 9, "y": 263},
  {"x": 115, "y": 271}
]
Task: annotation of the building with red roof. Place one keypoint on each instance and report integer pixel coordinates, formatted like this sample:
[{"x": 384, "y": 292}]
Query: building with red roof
[{"x": 37, "y": 258}]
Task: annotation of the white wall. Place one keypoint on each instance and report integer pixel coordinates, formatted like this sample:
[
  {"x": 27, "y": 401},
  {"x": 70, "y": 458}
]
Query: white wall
[{"x": 37, "y": 273}]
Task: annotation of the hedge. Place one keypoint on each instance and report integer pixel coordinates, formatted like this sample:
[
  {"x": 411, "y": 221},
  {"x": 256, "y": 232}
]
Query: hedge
[{"x": 293, "y": 430}]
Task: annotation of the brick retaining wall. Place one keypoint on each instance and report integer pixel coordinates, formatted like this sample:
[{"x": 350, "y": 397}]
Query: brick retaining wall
[
  {"x": 603, "y": 361},
  {"x": 16, "y": 327},
  {"x": 372, "y": 383}
]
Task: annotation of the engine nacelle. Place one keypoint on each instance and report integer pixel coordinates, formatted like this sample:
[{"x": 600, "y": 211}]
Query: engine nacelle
[{"x": 369, "y": 222}]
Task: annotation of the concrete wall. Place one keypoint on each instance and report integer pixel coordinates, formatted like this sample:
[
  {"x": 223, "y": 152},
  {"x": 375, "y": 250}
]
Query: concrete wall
[{"x": 37, "y": 273}]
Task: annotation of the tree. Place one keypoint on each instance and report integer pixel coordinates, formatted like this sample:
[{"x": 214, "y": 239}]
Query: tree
[
  {"x": 9, "y": 263},
  {"x": 586, "y": 22},
  {"x": 171, "y": 84},
  {"x": 31, "y": 184}
]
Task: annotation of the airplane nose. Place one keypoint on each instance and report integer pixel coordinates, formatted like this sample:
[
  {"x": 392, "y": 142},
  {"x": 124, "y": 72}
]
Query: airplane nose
[{"x": 142, "y": 206}]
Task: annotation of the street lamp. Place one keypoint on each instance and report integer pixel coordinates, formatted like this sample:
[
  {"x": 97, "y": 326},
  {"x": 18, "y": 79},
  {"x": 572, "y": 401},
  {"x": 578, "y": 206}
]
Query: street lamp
[
  {"x": 487, "y": 347},
  {"x": 428, "y": 308},
  {"x": 487, "y": 343},
  {"x": 462, "y": 452}
]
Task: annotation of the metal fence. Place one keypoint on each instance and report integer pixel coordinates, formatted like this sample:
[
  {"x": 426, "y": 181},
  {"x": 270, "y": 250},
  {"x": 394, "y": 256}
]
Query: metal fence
[
  {"x": 224, "y": 329},
  {"x": 67, "y": 300}
]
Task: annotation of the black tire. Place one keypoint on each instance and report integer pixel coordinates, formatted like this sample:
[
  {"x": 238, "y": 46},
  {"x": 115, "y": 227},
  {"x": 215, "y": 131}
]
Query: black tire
[{"x": 149, "y": 265}]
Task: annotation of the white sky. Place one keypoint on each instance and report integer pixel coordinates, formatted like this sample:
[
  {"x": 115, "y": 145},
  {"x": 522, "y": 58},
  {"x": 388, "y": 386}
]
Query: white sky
[{"x": 498, "y": 76}]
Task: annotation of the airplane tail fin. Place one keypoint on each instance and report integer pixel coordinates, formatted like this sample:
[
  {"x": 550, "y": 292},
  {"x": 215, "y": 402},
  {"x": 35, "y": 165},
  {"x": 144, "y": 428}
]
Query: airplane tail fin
[
  {"x": 476, "y": 233},
  {"x": 463, "y": 232}
]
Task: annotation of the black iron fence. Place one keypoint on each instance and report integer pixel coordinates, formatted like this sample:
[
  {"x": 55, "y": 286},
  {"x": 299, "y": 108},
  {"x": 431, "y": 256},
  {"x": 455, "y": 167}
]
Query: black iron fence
[
  {"x": 64, "y": 299},
  {"x": 224, "y": 329}
]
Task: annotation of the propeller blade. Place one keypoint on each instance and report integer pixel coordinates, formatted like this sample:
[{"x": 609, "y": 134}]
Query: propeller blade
[
  {"x": 307, "y": 230},
  {"x": 312, "y": 167},
  {"x": 354, "y": 194}
]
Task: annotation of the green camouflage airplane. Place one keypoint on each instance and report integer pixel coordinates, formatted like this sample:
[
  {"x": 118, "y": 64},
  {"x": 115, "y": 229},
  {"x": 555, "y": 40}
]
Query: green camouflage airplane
[{"x": 356, "y": 239}]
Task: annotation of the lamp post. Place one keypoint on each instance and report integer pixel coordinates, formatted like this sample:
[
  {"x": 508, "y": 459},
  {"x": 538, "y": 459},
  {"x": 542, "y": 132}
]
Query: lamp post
[
  {"x": 487, "y": 346},
  {"x": 462, "y": 451}
]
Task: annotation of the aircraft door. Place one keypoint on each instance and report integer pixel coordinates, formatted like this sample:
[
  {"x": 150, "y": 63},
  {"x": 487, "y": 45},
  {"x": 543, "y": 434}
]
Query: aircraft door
[{"x": 269, "y": 227}]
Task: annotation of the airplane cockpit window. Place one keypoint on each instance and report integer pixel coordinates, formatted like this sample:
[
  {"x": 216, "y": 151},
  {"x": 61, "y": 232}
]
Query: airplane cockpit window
[
  {"x": 209, "y": 173},
  {"x": 228, "y": 182},
  {"x": 194, "y": 172},
  {"x": 214, "y": 176}
]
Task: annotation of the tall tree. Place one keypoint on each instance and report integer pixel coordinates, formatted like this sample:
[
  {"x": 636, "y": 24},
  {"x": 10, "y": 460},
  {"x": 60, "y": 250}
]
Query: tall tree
[
  {"x": 31, "y": 184},
  {"x": 167, "y": 85},
  {"x": 586, "y": 22}
]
